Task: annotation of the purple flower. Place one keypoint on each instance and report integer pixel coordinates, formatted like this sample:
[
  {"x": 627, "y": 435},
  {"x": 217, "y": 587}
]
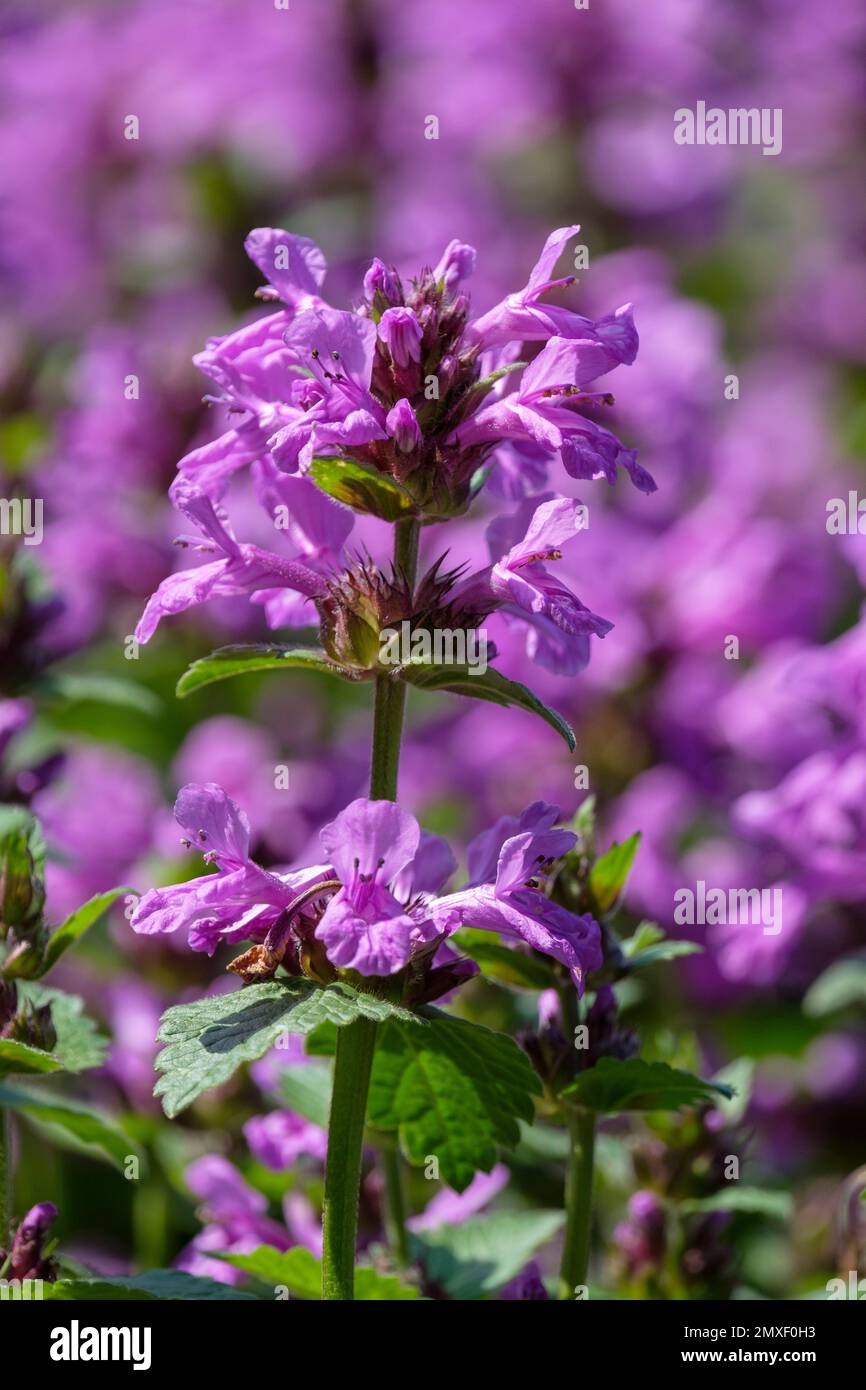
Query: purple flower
[
  {"x": 527, "y": 1286},
  {"x": 364, "y": 927},
  {"x": 235, "y": 1217},
  {"x": 521, "y": 318},
  {"x": 25, "y": 1258},
  {"x": 590, "y": 451},
  {"x": 279, "y": 1138},
  {"x": 449, "y": 1208},
  {"x": 335, "y": 409},
  {"x": 242, "y": 569},
  {"x": 520, "y": 587},
  {"x": 241, "y": 901},
  {"x": 816, "y": 815},
  {"x": 401, "y": 333},
  {"x": 293, "y": 266},
  {"x": 456, "y": 265},
  {"x": 374, "y": 905},
  {"x": 506, "y": 864},
  {"x": 380, "y": 280},
  {"x": 402, "y": 425},
  {"x": 311, "y": 381},
  {"x": 642, "y": 1239},
  {"x": 544, "y": 412}
]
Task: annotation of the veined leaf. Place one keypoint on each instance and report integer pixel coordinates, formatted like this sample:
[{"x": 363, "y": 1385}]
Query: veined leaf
[
  {"x": 500, "y": 962},
  {"x": 152, "y": 1284},
  {"x": 207, "y": 1041},
  {"x": 22, "y": 1059},
  {"x": 79, "y": 1046},
  {"x": 734, "y": 1197},
  {"x": 77, "y": 924},
  {"x": 103, "y": 690},
  {"x": 301, "y": 1273},
  {"x": 613, "y": 1087},
  {"x": 608, "y": 874},
  {"x": 478, "y": 1256},
  {"x": 663, "y": 951},
  {"x": 454, "y": 1089},
  {"x": 226, "y": 662},
  {"x": 842, "y": 985},
  {"x": 307, "y": 1090},
  {"x": 488, "y": 685},
  {"x": 362, "y": 488},
  {"x": 90, "y": 1128}
]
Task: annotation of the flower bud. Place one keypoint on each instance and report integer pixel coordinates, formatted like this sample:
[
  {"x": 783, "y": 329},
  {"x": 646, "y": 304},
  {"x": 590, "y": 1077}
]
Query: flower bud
[
  {"x": 402, "y": 425},
  {"x": 22, "y": 895},
  {"x": 26, "y": 1260},
  {"x": 401, "y": 333},
  {"x": 456, "y": 265},
  {"x": 379, "y": 280}
]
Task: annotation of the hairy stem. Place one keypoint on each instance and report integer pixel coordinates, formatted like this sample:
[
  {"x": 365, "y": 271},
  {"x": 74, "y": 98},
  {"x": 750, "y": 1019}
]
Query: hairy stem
[
  {"x": 352, "y": 1065},
  {"x": 578, "y": 1202},
  {"x": 357, "y": 1043},
  {"x": 407, "y": 534}
]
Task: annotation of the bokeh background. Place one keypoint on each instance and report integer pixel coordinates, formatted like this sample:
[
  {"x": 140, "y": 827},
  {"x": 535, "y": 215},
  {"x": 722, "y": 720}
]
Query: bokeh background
[{"x": 118, "y": 256}]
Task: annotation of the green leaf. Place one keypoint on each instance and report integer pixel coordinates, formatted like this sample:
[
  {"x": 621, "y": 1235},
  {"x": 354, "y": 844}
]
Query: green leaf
[
  {"x": 842, "y": 985},
  {"x": 79, "y": 1046},
  {"x": 94, "y": 1131},
  {"x": 502, "y": 963},
  {"x": 664, "y": 951},
  {"x": 612, "y": 1087},
  {"x": 103, "y": 690},
  {"x": 477, "y": 1257},
  {"x": 301, "y": 1273},
  {"x": 307, "y": 1090},
  {"x": 77, "y": 924},
  {"x": 739, "y": 1076},
  {"x": 362, "y": 488},
  {"x": 583, "y": 823},
  {"x": 152, "y": 1284},
  {"x": 207, "y": 1041},
  {"x": 21, "y": 1058},
  {"x": 242, "y": 661},
  {"x": 645, "y": 934},
  {"x": 454, "y": 1089},
  {"x": 608, "y": 874},
  {"x": 752, "y": 1200},
  {"x": 489, "y": 685},
  {"x": 15, "y": 821},
  {"x": 648, "y": 945}
]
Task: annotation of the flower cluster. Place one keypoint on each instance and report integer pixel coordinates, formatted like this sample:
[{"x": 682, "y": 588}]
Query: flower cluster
[
  {"x": 375, "y": 905},
  {"x": 400, "y": 408}
]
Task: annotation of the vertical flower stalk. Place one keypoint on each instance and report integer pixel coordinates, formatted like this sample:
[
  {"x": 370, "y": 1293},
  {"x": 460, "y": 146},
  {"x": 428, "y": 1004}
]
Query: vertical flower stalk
[
  {"x": 356, "y": 1044},
  {"x": 578, "y": 1202},
  {"x": 329, "y": 405}
]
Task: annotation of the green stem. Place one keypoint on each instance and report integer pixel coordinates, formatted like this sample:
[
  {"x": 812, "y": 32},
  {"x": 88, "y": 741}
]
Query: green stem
[
  {"x": 407, "y": 535},
  {"x": 352, "y": 1065},
  {"x": 5, "y": 1176},
  {"x": 395, "y": 1205},
  {"x": 578, "y": 1202},
  {"x": 357, "y": 1043},
  {"x": 389, "y": 707}
]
